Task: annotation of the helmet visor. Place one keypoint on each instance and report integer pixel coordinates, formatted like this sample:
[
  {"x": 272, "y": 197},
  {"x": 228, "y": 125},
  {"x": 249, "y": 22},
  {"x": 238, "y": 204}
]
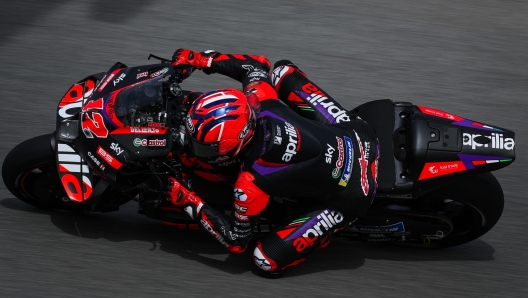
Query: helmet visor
[{"x": 204, "y": 150}]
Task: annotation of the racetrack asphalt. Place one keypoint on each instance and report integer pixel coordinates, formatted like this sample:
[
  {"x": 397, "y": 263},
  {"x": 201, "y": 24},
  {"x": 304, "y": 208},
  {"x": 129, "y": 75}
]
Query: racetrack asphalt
[{"x": 466, "y": 57}]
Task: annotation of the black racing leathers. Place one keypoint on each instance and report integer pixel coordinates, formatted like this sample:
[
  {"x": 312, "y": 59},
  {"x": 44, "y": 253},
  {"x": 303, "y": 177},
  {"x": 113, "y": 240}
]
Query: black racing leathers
[{"x": 331, "y": 161}]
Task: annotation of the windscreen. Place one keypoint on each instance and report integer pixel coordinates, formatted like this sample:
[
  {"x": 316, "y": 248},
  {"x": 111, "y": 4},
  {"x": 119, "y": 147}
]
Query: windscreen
[{"x": 143, "y": 103}]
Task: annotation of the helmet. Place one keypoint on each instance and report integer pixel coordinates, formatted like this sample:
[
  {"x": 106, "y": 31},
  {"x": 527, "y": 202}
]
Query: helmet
[{"x": 220, "y": 124}]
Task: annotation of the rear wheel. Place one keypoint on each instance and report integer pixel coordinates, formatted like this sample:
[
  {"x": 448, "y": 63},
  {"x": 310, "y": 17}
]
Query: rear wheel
[
  {"x": 473, "y": 205},
  {"x": 454, "y": 214}
]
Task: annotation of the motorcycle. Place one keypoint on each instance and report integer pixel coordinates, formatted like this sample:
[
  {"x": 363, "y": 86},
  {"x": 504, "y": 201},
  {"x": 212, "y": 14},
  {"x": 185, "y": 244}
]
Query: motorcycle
[{"x": 118, "y": 135}]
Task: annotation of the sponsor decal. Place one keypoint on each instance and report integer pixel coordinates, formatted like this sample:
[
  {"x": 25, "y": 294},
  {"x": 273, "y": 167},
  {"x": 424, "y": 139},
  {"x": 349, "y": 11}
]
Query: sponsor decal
[
  {"x": 227, "y": 163},
  {"x": 139, "y": 142},
  {"x": 278, "y": 136},
  {"x": 240, "y": 195},
  {"x": 159, "y": 72},
  {"x": 116, "y": 148},
  {"x": 278, "y": 73},
  {"x": 142, "y": 74},
  {"x": 245, "y": 130},
  {"x": 74, "y": 173},
  {"x": 220, "y": 158},
  {"x": 119, "y": 79},
  {"x": 340, "y": 158},
  {"x": 95, "y": 160},
  {"x": 438, "y": 113},
  {"x": 156, "y": 124},
  {"x": 131, "y": 130},
  {"x": 151, "y": 143},
  {"x": 240, "y": 209},
  {"x": 349, "y": 162},
  {"x": 114, "y": 163},
  {"x": 378, "y": 239},
  {"x": 435, "y": 169},
  {"x": 497, "y": 141},
  {"x": 258, "y": 73},
  {"x": 241, "y": 217},
  {"x": 207, "y": 226},
  {"x": 260, "y": 260},
  {"x": 363, "y": 164},
  {"x": 108, "y": 79},
  {"x": 323, "y": 104},
  {"x": 374, "y": 166},
  {"x": 294, "y": 142},
  {"x": 324, "y": 222},
  {"x": 397, "y": 227},
  {"x": 189, "y": 124},
  {"x": 329, "y": 153}
]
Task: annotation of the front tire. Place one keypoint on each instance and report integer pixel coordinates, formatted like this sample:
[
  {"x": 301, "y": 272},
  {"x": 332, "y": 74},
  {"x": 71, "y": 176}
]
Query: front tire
[{"x": 30, "y": 173}]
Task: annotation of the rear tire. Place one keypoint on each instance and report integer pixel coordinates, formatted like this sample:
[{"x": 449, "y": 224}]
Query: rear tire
[
  {"x": 30, "y": 173},
  {"x": 483, "y": 202}
]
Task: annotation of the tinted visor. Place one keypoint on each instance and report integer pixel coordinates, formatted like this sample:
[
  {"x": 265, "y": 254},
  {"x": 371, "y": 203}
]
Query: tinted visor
[{"x": 204, "y": 150}]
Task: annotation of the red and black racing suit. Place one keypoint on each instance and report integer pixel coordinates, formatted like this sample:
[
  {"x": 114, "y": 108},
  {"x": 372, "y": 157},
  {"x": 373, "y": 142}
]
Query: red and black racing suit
[{"x": 329, "y": 163}]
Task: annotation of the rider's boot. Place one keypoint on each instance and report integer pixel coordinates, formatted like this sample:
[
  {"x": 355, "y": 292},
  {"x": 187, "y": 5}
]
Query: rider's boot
[{"x": 294, "y": 240}]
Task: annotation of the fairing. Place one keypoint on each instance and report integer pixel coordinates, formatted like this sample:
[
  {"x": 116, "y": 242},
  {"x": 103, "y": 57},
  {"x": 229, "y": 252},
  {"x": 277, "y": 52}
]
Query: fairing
[{"x": 106, "y": 121}]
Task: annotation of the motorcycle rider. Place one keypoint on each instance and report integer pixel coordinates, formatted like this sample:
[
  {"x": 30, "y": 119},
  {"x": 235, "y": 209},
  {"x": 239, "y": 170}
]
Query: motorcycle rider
[{"x": 305, "y": 147}]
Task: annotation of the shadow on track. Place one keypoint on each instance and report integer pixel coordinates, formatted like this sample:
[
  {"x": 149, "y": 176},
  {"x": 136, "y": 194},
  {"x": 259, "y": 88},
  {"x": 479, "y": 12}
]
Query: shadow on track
[{"x": 199, "y": 246}]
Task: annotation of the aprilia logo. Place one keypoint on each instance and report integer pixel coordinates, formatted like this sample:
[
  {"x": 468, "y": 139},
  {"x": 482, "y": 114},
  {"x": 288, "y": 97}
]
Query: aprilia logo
[
  {"x": 294, "y": 142},
  {"x": 316, "y": 97},
  {"x": 497, "y": 141},
  {"x": 207, "y": 226},
  {"x": 326, "y": 222}
]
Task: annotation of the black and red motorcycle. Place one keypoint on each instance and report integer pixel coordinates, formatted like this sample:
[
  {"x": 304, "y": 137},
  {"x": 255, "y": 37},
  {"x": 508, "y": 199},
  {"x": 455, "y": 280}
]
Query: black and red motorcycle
[{"x": 119, "y": 134}]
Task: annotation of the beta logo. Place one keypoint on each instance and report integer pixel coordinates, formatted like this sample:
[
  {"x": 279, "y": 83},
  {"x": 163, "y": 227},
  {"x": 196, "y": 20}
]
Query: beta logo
[{"x": 497, "y": 141}]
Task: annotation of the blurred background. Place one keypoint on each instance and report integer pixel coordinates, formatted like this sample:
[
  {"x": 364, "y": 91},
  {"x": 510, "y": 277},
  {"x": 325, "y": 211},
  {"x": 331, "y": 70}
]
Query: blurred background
[{"x": 466, "y": 57}]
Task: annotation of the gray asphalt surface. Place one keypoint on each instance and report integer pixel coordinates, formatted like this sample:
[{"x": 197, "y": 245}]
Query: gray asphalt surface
[{"x": 466, "y": 57}]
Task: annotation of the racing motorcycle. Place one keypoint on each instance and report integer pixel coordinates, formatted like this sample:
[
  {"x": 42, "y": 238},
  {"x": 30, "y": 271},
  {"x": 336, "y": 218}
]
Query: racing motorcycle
[{"x": 118, "y": 135}]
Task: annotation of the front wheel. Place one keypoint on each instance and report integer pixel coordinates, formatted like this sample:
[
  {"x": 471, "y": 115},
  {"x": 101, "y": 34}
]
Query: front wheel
[{"x": 30, "y": 173}]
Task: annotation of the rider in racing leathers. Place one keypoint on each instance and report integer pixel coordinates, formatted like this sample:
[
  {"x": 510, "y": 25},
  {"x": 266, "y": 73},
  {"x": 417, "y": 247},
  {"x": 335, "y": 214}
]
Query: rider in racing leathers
[{"x": 329, "y": 165}]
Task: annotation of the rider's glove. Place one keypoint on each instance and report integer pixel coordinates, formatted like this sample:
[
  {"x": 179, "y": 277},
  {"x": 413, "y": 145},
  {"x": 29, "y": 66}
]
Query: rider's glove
[
  {"x": 190, "y": 58},
  {"x": 182, "y": 197}
]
